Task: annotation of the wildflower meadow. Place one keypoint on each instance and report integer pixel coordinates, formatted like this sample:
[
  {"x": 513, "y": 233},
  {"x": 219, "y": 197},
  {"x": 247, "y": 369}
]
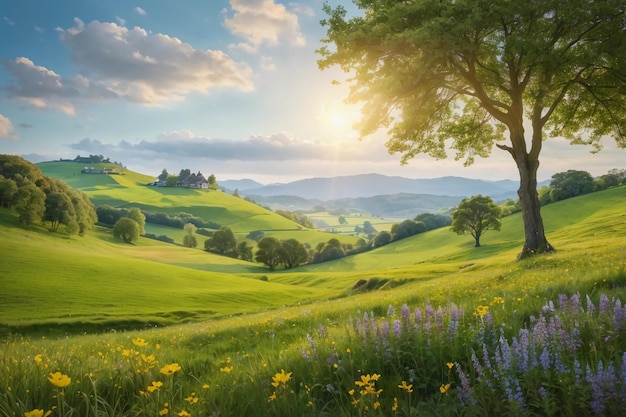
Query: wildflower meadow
[{"x": 566, "y": 358}]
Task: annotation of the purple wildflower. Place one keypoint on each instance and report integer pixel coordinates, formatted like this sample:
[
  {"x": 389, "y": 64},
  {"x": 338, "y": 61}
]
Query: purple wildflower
[
  {"x": 604, "y": 303},
  {"x": 397, "y": 328},
  {"x": 464, "y": 394},
  {"x": 590, "y": 307},
  {"x": 321, "y": 332},
  {"x": 390, "y": 311},
  {"x": 406, "y": 314}
]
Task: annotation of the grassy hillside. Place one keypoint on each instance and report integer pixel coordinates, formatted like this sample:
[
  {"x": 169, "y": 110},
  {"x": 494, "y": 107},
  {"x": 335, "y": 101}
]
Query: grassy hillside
[
  {"x": 130, "y": 190},
  {"x": 95, "y": 281}
]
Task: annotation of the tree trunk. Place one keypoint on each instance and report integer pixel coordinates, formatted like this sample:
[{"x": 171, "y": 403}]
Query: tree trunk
[
  {"x": 535, "y": 240},
  {"x": 477, "y": 245}
]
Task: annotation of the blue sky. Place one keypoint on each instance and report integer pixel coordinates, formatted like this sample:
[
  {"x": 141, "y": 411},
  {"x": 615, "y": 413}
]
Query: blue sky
[{"x": 229, "y": 88}]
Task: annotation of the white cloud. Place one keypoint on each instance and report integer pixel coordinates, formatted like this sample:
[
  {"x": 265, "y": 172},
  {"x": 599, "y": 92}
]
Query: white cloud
[
  {"x": 267, "y": 63},
  {"x": 120, "y": 20},
  {"x": 129, "y": 64},
  {"x": 151, "y": 68},
  {"x": 6, "y": 129},
  {"x": 261, "y": 22},
  {"x": 280, "y": 146},
  {"x": 140, "y": 11},
  {"x": 44, "y": 88},
  {"x": 8, "y": 21}
]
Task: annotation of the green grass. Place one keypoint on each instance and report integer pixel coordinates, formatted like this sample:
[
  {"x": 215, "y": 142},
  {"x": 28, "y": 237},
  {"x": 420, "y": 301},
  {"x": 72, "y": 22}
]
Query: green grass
[
  {"x": 231, "y": 332},
  {"x": 97, "y": 281}
]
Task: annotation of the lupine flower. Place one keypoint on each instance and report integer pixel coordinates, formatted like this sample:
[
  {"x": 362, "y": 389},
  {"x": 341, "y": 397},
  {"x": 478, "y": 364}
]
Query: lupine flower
[
  {"x": 406, "y": 314},
  {"x": 604, "y": 303},
  {"x": 59, "y": 380},
  {"x": 465, "y": 394}
]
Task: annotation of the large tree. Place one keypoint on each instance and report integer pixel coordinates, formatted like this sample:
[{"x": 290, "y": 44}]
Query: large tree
[{"x": 457, "y": 74}]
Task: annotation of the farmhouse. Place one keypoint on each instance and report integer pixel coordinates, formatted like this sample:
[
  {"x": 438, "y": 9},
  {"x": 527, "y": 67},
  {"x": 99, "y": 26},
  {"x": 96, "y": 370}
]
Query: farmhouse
[{"x": 195, "y": 181}]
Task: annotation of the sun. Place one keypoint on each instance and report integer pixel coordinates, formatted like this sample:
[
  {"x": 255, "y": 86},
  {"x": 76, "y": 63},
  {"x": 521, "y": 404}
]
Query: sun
[{"x": 338, "y": 117}]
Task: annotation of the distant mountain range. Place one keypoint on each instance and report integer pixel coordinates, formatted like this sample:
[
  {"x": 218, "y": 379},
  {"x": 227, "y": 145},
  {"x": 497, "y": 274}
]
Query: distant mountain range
[
  {"x": 377, "y": 194},
  {"x": 370, "y": 185}
]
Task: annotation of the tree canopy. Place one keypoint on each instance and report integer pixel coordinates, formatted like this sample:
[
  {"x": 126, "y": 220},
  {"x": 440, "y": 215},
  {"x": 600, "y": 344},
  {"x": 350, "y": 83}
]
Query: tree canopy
[
  {"x": 269, "y": 252},
  {"x": 474, "y": 216},
  {"x": 222, "y": 242},
  {"x": 126, "y": 229},
  {"x": 444, "y": 74}
]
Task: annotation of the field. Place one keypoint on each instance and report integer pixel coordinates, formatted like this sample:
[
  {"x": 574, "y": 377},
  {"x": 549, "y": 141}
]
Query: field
[{"x": 436, "y": 326}]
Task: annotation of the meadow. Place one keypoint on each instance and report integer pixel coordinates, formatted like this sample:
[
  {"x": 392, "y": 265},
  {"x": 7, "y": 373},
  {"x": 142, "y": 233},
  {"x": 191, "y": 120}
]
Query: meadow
[{"x": 94, "y": 327}]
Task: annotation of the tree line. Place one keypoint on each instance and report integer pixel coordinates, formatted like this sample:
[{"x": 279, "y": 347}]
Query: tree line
[{"x": 40, "y": 199}]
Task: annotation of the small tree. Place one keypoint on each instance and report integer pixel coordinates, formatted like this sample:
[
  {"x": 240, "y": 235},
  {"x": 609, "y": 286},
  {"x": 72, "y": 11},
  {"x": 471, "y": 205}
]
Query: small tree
[
  {"x": 244, "y": 252},
  {"x": 164, "y": 175},
  {"x": 190, "y": 240},
  {"x": 293, "y": 253},
  {"x": 222, "y": 242},
  {"x": 136, "y": 214},
  {"x": 126, "y": 229},
  {"x": 269, "y": 252},
  {"x": 381, "y": 238},
  {"x": 476, "y": 215},
  {"x": 212, "y": 182}
]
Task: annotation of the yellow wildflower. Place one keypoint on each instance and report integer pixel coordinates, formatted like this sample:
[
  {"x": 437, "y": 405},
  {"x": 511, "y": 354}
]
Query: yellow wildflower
[
  {"x": 155, "y": 386},
  {"x": 184, "y": 413},
  {"x": 281, "y": 378},
  {"x": 206, "y": 386},
  {"x": 395, "y": 404},
  {"x": 192, "y": 399},
  {"x": 38, "y": 358},
  {"x": 444, "y": 388},
  {"x": 170, "y": 369},
  {"x": 272, "y": 397},
  {"x": 450, "y": 365},
  {"x": 481, "y": 311},
  {"x": 376, "y": 405},
  {"x": 164, "y": 412},
  {"x": 139, "y": 342},
  {"x": 59, "y": 380},
  {"x": 37, "y": 413},
  {"x": 227, "y": 369},
  {"x": 407, "y": 388}
]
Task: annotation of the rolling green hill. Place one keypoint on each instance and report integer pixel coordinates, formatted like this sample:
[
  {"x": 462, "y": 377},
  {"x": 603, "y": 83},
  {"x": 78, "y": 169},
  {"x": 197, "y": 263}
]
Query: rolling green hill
[
  {"x": 130, "y": 189},
  {"x": 95, "y": 282}
]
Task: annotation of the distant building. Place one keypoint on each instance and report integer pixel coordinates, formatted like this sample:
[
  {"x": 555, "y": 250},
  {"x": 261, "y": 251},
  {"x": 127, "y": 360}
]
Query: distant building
[
  {"x": 195, "y": 181},
  {"x": 91, "y": 170}
]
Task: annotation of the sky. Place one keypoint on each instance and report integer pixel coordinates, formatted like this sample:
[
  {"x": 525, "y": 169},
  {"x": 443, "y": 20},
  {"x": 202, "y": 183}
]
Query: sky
[{"x": 229, "y": 88}]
